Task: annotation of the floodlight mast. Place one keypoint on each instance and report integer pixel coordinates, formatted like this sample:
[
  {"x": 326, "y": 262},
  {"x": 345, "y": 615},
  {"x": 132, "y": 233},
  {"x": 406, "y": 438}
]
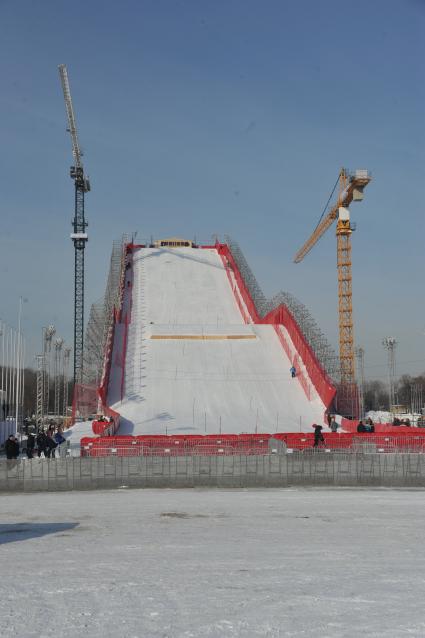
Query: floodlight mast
[{"x": 79, "y": 236}]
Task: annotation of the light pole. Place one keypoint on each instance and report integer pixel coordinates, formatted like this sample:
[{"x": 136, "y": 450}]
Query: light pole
[
  {"x": 389, "y": 344},
  {"x": 58, "y": 350},
  {"x": 19, "y": 362},
  {"x": 6, "y": 361},
  {"x": 66, "y": 357},
  {"x": 48, "y": 334},
  {"x": 40, "y": 392},
  {"x": 360, "y": 379}
]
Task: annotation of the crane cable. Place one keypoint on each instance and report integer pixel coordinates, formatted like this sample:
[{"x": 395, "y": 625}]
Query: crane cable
[{"x": 327, "y": 203}]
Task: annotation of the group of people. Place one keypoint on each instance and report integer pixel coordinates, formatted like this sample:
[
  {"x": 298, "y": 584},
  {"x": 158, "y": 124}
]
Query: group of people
[
  {"x": 366, "y": 427},
  {"x": 319, "y": 439},
  {"x": 405, "y": 422},
  {"x": 44, "y": 443}
]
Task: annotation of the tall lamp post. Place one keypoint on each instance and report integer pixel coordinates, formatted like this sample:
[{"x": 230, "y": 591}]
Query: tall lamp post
[
  {"x": 19, "y": 363},
  {"x": 360, "y": 378},
  {"x": 48, "y": 334},
  {"x": 389, "y": 344},
  {"x": 66, "y": 357},
  {"x": 57, "y": 370}
]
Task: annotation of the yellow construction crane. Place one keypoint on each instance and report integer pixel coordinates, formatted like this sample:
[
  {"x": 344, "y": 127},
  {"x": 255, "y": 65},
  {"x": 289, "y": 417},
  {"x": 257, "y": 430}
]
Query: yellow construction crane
[{"x": 351, "y": 187}]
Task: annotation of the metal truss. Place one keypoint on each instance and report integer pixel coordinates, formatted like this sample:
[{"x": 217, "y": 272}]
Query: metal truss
[{"x": 101, "y": 316}]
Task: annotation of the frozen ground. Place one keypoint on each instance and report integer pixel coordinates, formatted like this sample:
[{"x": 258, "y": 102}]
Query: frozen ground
[{"x": 213, "y": 563}]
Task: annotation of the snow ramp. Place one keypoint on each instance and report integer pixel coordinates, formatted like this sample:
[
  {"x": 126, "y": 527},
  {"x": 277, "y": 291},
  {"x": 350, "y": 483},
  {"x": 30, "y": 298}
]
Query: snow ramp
[{"x": 190, "y": 357}]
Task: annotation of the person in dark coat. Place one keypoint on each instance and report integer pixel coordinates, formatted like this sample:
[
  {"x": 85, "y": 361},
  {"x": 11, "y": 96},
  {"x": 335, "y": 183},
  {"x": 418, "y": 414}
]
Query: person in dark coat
[
  {"x": 361, "y": 427},
  {"x": 49, "y": 452},
  {"x": 318, "y": 436},
  {"x": 51, "y": 444},
  {"x": 58, "y": 437},
  {"x": 41, "y": 442},
  {"x": 293, "y": 372},
  {"x": 12, "y": 448},
  {"x": 30, "y": 445}
]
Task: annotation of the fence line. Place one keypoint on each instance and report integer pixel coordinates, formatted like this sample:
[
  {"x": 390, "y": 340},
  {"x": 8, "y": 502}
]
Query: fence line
[{"x": 309, "y": 468}]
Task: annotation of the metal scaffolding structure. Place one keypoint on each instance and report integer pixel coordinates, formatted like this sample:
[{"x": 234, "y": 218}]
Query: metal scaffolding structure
[
  {"x": 102, "y": 316},
  {"x": 312, "y": 333},
  {"x": 93, "y": 343}
]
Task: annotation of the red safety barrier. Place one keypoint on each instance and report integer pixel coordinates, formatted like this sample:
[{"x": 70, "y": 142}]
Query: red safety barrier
[
  {"x": 323, "y": 384},
  {"x": 281, "y": 316},
  {"x": 229, "y": 262},
  {"x": 124, "y": 352},
  {"x": 102, "y": 426},
  {"x": 165, "y": 445},
  {"x": 229, "y": 270},
  {"x": 303, "y": 441},
  {"x": 246, "y": 444}
]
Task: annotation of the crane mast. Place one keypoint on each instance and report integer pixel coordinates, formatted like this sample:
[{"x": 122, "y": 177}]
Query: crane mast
[
  {"x": 79, "y": 235},
  {"x": 350, "y": 189}
]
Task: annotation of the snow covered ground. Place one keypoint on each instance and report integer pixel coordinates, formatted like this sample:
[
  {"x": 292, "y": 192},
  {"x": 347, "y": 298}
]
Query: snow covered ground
[
  {"x": 75, "y": 434},
  {"x": 213, "y": 563},
  {"x": 182, "y": 373}
]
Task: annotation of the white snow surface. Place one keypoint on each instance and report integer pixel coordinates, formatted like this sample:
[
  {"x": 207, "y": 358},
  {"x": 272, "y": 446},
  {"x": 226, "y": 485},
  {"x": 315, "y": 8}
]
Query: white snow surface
[
  {"x": 192, "y": 385},
  {"x": 74, "y": 435},
  {"x": 213, "y": 564}
]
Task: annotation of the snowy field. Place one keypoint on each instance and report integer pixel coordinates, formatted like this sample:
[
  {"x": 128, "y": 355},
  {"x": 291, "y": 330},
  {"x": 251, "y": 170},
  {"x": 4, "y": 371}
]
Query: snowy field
[{"x": 213, "y": 563}]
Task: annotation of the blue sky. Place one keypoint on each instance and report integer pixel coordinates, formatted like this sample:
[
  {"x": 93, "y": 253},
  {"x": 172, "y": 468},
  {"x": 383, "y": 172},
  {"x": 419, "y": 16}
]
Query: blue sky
[{"x": 203, "y": 117}]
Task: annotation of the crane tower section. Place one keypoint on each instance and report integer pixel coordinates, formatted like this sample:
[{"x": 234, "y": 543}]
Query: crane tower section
[{"x": 79, "y": 235}]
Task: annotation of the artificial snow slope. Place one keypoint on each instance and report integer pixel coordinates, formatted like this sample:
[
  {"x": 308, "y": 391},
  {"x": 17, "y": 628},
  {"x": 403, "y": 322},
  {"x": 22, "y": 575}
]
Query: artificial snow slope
[{"x": 192, "y": 365}]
